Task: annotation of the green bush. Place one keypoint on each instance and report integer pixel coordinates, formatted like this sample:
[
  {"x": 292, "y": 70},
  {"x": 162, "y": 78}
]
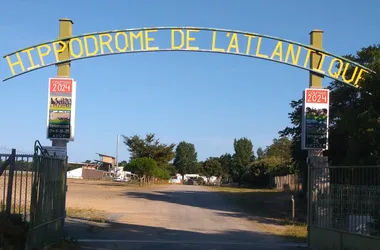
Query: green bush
[
  {"x": 200, "y": 181},
  {"x": 162, "y": 174}
]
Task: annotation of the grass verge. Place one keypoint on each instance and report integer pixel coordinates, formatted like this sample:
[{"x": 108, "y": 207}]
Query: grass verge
[
  {"x": 86, "y": 214},
  {"x": 271, "y": 209}
]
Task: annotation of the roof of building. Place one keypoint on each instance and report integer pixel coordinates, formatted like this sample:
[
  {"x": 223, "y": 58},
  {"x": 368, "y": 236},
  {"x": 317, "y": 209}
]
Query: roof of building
[
  {"x": 104, "y": 162},
  {"x": 81, "y": 163},
  {"x": 106, "y": 155}
]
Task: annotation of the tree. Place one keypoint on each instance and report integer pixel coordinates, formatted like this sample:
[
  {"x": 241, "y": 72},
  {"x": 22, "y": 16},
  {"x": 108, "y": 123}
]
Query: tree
[
  {"x": 260, "y": 153},
  {"x": 151, "y": 148},
  {"x": 185, "y": 159},
  {"x": 199, "y": 168},
  {"x": 212, "y": 167},
  {"x": 143, "y": 167},
  {"x": 162, "y": 173},
  {"x": 123, "y": 163},
  {"x": 242, "y": 157},
  {"x": 354, "y": 135},
  {"x": 280, "y": 154},
  {"x": 354, "y": 131},
  {"x": 298, "y": 156},
  {"x": 226, "y": 163}
]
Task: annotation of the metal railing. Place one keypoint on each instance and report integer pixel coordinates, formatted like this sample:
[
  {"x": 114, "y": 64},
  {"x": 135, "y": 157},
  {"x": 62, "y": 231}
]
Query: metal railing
[
  {"x": 346, "y": 198},
  {"x": 15, "y": 183},
  {"x": 47, "y": 210}
]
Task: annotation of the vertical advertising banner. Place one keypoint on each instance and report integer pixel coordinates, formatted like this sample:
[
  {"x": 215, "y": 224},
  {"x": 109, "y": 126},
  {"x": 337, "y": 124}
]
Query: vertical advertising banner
[
  {"x": 61, "y": 109},
  {"x": 315, "y": 119}
]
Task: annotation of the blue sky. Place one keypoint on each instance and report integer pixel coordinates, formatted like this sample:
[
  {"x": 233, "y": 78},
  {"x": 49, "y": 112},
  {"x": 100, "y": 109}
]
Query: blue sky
[{"x": 205, "y": 99}]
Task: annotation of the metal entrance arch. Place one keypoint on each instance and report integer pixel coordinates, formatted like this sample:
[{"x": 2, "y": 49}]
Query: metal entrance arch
[
  {"x": 314, "y": 58},
  {"x": 70, "y": 48}
]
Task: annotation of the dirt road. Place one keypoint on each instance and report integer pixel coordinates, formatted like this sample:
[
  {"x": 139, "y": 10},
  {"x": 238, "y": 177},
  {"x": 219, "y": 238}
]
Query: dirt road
[{"x": 168, "y": 217}]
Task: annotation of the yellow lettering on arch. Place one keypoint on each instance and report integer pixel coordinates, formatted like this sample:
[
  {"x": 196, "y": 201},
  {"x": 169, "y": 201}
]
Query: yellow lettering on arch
[
  {"x": 43, "y": 54},
  {"x": 140, "y": 36},
  {"x": 345, "y": 72},
  {"x": 290, "y": 51},
  {"x": 18, "y": 62},
  {"x": 233, "y": 42},
  {"x": 213, "y": 46},
  {"x": 258, "y": 49},
  {"x": 189, "y": 38},
  {"x": 332, "y": 64},
  {"x": 32, "y": 65},
  {"x": 117, "y": 41},
  {"x": 359, "y": 77},
  {"x": 173, "y": 31},
  {"x": 149, "y": 39},
  {"x": 307, "y": 58},
  {"x": 96, "y": 47},
  {"x": 105, "y": 43},
  {"x": 321, "y": 61},
  {"x": 249, "y": 43},
  {"x": 62, "y": 48},
  {"x": 277, "y": 51},
  {"x": 80, "y": 48}
]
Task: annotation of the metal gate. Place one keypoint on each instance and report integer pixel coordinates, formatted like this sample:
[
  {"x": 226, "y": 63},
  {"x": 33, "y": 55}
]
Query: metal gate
[
  {"x": 344, "y": 206},
  {"x": 48, "y": 198}
]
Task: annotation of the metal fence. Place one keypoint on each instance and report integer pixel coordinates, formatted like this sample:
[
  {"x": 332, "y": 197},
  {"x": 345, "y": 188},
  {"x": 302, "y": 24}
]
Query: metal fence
[
  {"x": 291, "y": 182},
  {"x": 15, "y": 183},
  {"x": 346, "y": 198},
  {"x": 47, "y": 210}
]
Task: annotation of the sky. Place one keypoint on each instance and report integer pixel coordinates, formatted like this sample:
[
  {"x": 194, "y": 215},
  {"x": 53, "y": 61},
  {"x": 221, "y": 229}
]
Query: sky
[{"x": 202, "y": 98}]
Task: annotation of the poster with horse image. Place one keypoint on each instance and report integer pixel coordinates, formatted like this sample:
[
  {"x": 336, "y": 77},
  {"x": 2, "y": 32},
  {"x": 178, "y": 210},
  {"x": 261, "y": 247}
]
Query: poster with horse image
[
  {"x": 315, "y": 119},
  {"x": 61, "y": 109},
  {"x": 60, "y": 103}
]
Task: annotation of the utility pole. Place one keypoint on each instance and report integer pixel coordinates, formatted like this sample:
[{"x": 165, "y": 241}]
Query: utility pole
[{"x": 117, "y": 155}]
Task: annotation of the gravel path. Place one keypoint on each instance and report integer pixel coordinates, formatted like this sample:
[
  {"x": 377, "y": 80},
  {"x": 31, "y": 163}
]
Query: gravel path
[{"x": 173, "y": 217}]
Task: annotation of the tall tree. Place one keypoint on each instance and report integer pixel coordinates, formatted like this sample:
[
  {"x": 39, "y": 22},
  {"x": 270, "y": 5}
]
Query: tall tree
[
  {"x": 278, "y": 157},
  {"x": 354, "y": 135},
  {"x": 150, "y": 147},
  {"x": 212, "y": 167},
  {"x": 185, "y": 159},
  {"x": 298, "y": 156},
  {"x": 260, "y": 153},
  {"x": 280, "y": 148},
  {"x": 226, "y": 163},
  {"x": 242, "y": 157}
]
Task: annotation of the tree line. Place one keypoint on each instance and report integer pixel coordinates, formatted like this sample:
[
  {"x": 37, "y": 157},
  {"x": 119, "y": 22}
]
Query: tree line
[{"x": 152, "y": 160}]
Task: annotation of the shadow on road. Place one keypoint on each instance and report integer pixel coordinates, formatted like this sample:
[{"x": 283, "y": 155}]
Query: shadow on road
[
  {"x": 265, "y": 207},
  {"x": 113, "y": 235}
]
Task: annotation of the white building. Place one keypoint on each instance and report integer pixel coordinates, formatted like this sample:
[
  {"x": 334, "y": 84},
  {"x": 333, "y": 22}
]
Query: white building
[{"x": 75, "y": 174}]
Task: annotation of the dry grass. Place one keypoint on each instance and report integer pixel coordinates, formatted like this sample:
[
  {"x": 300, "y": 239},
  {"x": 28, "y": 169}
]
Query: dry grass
[
  {"x": 271, "y": 209},
  {"x": 296, "y": 232},
  {"x": 21, "y": 191},
  {"x": 89, "y": 214}
]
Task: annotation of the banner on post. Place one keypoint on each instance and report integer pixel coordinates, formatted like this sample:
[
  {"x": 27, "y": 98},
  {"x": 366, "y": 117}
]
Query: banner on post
[
  {"x": 61, "y": 109},
  {"x": 315, "y": 119}
]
